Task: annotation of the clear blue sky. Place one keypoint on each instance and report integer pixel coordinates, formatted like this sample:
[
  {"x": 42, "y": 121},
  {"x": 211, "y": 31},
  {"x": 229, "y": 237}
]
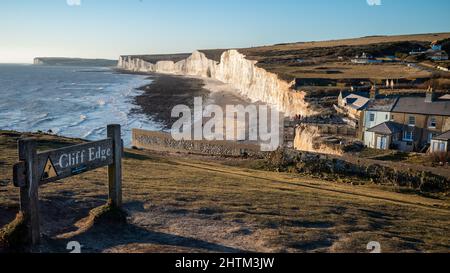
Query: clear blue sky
[{"x": 109, "y": 28}]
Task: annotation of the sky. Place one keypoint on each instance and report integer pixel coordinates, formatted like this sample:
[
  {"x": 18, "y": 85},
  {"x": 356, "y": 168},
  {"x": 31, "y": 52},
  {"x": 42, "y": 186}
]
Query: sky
[{"x": 110, "y": 28}]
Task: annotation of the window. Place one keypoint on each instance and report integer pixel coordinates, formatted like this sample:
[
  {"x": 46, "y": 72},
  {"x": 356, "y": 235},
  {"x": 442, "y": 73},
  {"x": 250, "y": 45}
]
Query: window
[
  {"x": 387, "y": 117},
  {"x": 372, "y": 117},
  {"x": 439, "y": 146},
  {"x": 412, "y": 121},
  {"x": 408, "y": 136},
  {"x": 433, "y": 122}
]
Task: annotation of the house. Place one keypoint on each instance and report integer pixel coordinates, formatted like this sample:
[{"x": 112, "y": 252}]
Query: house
[
  {"x": 365, "y": 59},
  {"x": 353, "y": 104},
  {"x": 385, "y": 135},
  {"x": 435, "y": 52},
  {"x": 407, "y": 123},
  {"x": 440, "y": 55},
  {"x": 422, "y": 118},
  {"x": 445, "y": 97},
  {"x": 417, "y": 52},
  {"x": 435, "y": 46},
  {"x": 440, "y": 143},
  {"x": 377, "y": 112}
]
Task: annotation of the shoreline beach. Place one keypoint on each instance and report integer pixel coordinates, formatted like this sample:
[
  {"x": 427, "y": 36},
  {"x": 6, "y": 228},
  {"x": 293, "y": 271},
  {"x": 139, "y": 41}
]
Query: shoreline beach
[{"x": 166, "y": 91}]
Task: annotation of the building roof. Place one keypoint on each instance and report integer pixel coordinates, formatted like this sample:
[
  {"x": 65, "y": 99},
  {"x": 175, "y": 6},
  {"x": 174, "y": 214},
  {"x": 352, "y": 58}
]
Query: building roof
[
  {"x": 444, "y": 136},
  {"x": 382, "y": 105},
  {"x": 437, "y": 53},
  {"x": 387, "y": 128},
  {"x": 356, "y": 101},
  {"x": 445, "y": 97},
  {"x": 417, "y": 105}
]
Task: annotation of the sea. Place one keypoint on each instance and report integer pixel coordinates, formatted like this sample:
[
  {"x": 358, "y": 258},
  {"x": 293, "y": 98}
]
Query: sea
[{"x": 74, "y": 102}]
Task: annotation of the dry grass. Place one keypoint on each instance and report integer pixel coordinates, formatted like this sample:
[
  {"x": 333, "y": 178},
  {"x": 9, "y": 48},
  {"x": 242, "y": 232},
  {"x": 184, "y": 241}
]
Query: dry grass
[
  {"x": 198, "y": 204},
  {"x": 352, "y": 71},
  {"x": 349, "y": 42},
  {"x": 12, "y": 235},
  {"x": 282, "y": 59}
]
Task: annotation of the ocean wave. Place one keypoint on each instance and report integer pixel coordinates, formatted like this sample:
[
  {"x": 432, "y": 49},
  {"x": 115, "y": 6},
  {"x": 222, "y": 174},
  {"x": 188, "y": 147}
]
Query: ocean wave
[
  {"x": 94, "y": 132},
  {"x": 82, "y": 119},
  {"x": 93, "y": 84},
  {"x": 77, "y": 106},
  {"x": 74, "y": 88},
  {"x": 40, "y": 121},
  {"x": 101, "y": 102}
]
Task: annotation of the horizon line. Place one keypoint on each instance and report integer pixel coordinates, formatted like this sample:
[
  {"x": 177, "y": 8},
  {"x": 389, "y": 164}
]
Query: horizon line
[{"x": 263, "y": 45}]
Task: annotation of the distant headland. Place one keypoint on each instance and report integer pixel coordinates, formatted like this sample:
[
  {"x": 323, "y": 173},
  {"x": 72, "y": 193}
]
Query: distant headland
[{"x": 59, "y": 61}]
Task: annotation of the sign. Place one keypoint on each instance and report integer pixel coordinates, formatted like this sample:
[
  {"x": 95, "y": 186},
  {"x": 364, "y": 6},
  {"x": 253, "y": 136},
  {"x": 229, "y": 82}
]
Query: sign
[
  {"x": 62, "y": 163},
  {"x": 35, "y": 169},
  {"x": 49, "y": 170}
]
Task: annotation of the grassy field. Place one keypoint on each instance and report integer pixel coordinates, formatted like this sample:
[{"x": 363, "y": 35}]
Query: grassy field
[
  {"x": 282, "y": 59},
  {"x": 179, "y": 203},
  {"x": 343, "y": 70},
  {"x": 428, "y": 38}
]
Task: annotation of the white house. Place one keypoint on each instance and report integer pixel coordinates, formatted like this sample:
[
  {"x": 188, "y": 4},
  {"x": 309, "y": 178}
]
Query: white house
[
  {"x": 365, "y": 59},
  {"x": 376, "y": 113},
  {"x": 440, "y": 143},
  {"x": 353, "y": 104}
]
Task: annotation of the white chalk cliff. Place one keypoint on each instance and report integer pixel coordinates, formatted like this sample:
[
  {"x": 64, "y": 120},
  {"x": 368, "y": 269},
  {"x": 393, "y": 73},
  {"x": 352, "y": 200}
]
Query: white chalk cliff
[{"x": 251, "y": 81}]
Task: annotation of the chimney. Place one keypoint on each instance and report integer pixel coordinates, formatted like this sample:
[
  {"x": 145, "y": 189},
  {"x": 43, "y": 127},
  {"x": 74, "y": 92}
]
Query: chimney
[
  {"x": 430, "y": 95},
  {"x": 374, "y": 92}
]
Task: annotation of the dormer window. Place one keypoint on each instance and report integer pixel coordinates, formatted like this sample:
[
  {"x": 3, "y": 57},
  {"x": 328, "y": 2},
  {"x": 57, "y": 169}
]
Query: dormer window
[{"x": 433, "y": 122}]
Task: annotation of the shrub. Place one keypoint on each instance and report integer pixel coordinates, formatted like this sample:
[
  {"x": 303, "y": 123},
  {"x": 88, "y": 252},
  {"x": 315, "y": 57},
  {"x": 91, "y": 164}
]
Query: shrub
[{"x": 440, "y": 157}]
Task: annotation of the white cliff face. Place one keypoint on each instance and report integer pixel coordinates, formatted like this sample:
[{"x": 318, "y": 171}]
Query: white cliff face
[
  {"x": 307, "y": 138},
  {"x": 242, "y": 74},
  {"x": 37, "y": 61}
]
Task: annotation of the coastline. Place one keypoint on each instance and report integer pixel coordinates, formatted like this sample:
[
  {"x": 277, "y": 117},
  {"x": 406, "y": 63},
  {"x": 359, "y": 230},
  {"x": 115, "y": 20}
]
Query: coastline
[
  {"x": 166, "y": 91},
  {"x": 70, "y": 101}
]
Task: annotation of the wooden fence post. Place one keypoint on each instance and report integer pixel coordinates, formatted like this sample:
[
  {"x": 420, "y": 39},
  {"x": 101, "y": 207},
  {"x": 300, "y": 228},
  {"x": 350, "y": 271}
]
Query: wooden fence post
[
  {"x": 29, "y": 195},
  {"x": 115, "y": 169}
]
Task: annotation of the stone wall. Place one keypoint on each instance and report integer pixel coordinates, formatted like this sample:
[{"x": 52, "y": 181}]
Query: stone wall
[
  {"x": 336, "y": 168},
  {"x": 160, "y": 141}
]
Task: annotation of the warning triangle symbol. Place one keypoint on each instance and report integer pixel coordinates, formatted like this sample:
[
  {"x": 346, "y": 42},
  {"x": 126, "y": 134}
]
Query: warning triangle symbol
[{"x": 49, "y": 170}]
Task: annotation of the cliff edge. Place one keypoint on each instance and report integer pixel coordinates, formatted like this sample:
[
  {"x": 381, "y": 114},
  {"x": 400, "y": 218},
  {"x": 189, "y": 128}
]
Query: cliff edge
[{"x": 232, "y": 68}]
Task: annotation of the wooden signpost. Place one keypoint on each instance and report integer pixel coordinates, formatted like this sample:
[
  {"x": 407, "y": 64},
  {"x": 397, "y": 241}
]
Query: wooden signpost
[{"x": 36, "y": 169}]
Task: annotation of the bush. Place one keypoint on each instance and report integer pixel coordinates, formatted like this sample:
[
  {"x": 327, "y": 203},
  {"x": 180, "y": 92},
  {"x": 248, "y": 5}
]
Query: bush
[
  {"x": 341, "y": 170},
  {"x": 440, "y": 157},
  {"x": 14, "y": 235}
]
